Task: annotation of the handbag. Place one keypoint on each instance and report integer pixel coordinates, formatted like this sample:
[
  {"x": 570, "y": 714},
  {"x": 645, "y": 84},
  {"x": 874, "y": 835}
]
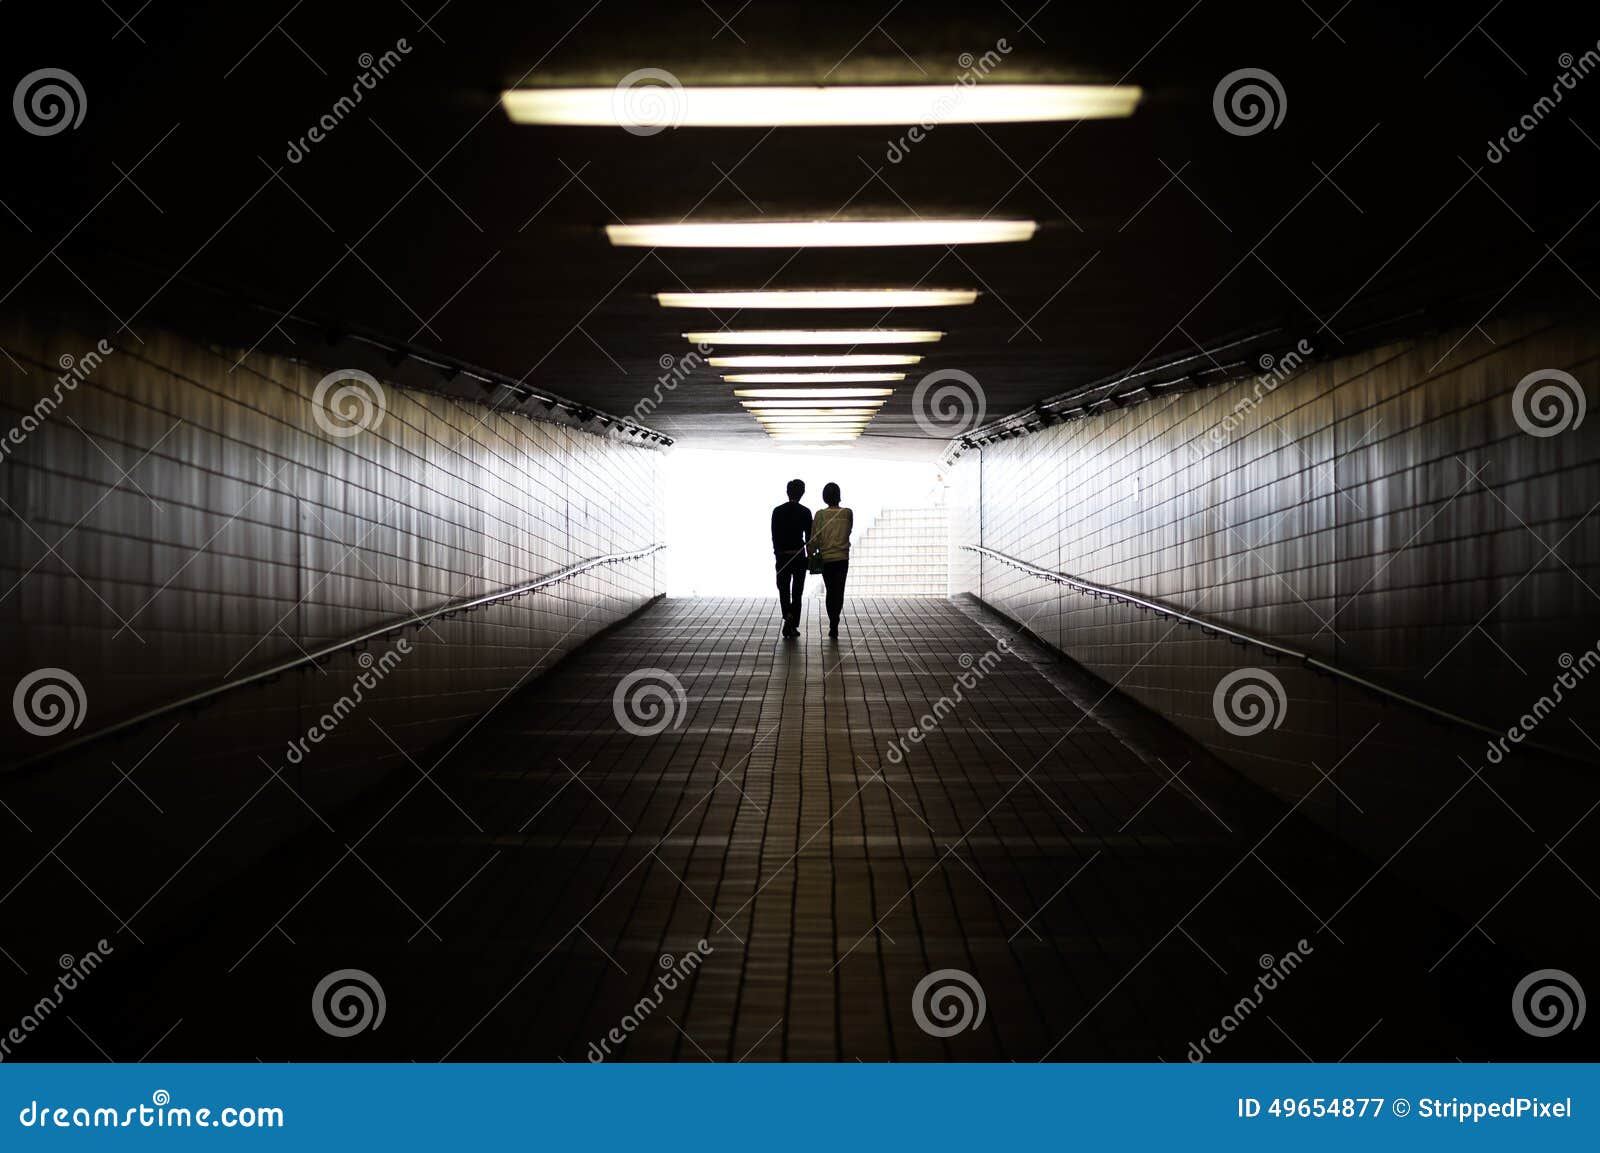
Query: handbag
[{"x": 814, "y": 563}]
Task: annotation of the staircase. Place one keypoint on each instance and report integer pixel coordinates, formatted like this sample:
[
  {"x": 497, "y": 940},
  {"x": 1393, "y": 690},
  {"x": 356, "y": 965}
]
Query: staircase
[{"x": 905, "y": 552}]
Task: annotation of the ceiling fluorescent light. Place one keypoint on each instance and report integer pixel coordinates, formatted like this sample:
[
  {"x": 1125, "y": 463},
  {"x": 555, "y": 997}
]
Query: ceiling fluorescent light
[
  {"x": 811, "y": 377},
  {"x": 860, "y": 360},
  {"x": 820, "y": 233},
  {"x": 845, "y": 401},
  {"x": 813, "y": 435},
  {"x": 821, "y": 298},
  {"x": 813, "y": 421},
  {"x": 760, "y": 413},
  {"x": 811, "y": 393},
  {"x": 819, "y": 414},
  {"x": 817, "y": 336},
  {"x": 812, "y": 405},
  {"x": 777, "y": 105}
]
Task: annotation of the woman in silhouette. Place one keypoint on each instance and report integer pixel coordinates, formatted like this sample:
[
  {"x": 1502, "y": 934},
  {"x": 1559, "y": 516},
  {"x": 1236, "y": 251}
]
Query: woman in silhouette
[{"x": 830, "y": 540}]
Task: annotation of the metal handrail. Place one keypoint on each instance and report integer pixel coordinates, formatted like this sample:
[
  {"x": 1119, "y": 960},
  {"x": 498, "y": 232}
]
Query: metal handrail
[
  {"x": 317, "y": 656},
  {"x": 1315, "y": 664}
]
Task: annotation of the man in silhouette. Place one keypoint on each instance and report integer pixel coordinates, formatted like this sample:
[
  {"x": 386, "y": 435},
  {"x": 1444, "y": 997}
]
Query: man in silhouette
[{"x": 791, "y": 529}]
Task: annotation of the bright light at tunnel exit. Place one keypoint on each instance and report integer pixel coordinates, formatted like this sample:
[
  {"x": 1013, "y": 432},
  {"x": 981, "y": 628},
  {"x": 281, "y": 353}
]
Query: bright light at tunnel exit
[{"x": 720, "y": 534}]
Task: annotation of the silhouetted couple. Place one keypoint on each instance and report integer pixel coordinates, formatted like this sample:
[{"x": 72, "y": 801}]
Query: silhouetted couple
[{"x": 802, "y": 543}]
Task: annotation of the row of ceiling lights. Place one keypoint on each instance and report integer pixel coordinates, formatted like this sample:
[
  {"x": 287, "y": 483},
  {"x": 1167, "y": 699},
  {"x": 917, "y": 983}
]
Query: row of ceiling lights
[{"x": 819, "y": 413}]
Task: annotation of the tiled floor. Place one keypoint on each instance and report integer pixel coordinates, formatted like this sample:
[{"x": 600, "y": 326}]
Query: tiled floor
[{"x": 1112, "y": 891}]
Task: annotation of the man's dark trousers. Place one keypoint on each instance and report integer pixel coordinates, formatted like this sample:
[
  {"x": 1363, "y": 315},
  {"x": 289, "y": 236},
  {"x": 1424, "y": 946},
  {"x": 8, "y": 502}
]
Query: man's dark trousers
[{"x": 791, "y": 584}]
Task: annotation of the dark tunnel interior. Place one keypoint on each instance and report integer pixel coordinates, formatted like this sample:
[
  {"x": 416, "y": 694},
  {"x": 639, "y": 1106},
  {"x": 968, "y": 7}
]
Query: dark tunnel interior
[{"x": 382, "y": 392}]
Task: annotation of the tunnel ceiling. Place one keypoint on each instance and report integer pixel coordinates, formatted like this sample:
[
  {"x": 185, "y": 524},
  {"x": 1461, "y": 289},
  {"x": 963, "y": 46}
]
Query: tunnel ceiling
[{"x": 426, "y": 215}]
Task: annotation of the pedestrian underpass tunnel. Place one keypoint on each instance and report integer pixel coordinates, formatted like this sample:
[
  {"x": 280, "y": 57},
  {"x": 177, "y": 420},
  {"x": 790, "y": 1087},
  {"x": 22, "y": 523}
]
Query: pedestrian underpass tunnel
[{"x": 393, "y": 501}]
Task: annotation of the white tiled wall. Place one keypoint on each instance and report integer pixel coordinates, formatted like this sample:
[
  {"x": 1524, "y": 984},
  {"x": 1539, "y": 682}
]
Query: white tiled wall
[
  {"x": 1389, "y": 494},
  {"x": 243, "y": 533}
]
